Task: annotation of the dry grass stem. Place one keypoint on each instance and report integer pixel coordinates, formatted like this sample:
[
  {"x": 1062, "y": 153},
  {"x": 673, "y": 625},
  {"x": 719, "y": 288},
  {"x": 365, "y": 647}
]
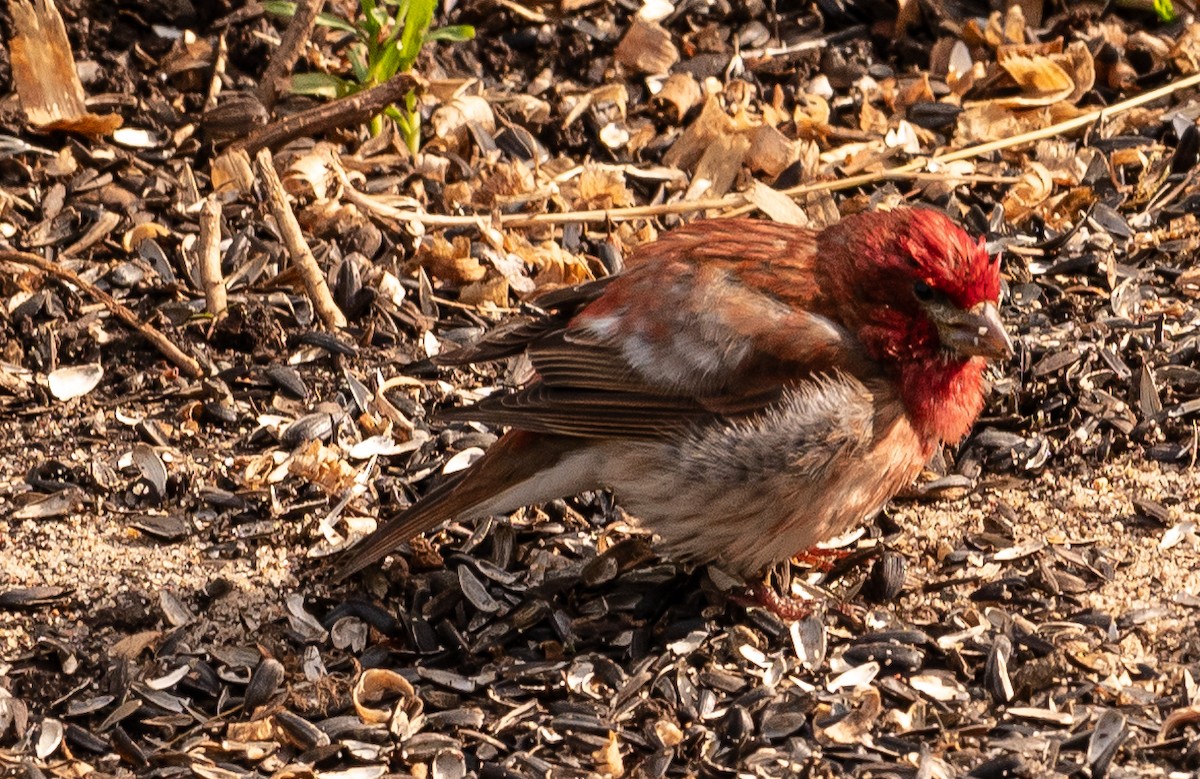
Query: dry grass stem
[
  {"x": 218, "y": 73},
  {"x": 738, "y": 203}
]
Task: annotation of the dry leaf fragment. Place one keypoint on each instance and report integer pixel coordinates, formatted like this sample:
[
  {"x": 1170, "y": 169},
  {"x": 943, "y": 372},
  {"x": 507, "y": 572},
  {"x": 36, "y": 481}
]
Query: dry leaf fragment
[
  {"x": 551, "y": 264},
  {"x": 960, "y": 69},
  {"x": 44, "y": 72},
  {"x": 1186, "y": 51},
  {"x": 1014, "y": 24},
  {"x": 492, "y": 291},
  {"x": 776, "y": 205},
  {"x": 1189, "y": 282},
  {"x": 855, "y": 727},
  {"x": 713, "y": 124},
  {"x": 232, "y": 174},
  {"x": 323, "y": 466},
  {"x": 189, "y": 58},
  {"x": 872, "y": 120},
  {"x": 510, "y": 265},
  {"x": 679, "y": 93},
  {"x": 987, "y": 120},
  {"x": 770, "y": 151},
  {"x": 451, "y": 261},
  {"x": 601, "y": 188},
  {"x": 719, "y": 166},
  {"x": 130, "y": 646},
  {"x": 811, "y": 116},
  {"x": 608, "y": 757},
  {"x": 1046, "y": 73},
  {"x": 1041, "y": 78},
  {"x": 312, "y": 173},
  {"x": 646, "y": 48},
  {"x": 1082, "y": 69},
  {"x": 1033, "y": 188},
  {"x": 505, "y": 182}
]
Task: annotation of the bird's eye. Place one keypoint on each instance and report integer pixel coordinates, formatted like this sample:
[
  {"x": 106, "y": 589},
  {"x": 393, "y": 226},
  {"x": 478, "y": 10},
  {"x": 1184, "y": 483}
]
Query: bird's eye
[{"x": 923, "y": 291}]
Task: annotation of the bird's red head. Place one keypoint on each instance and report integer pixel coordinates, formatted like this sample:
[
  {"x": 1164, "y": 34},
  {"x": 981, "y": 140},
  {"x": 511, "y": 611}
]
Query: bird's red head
[
  {"x": 945, "y": 257},
  {"x": 921, "y": 296},
  {"x": 896, "y": 277}
]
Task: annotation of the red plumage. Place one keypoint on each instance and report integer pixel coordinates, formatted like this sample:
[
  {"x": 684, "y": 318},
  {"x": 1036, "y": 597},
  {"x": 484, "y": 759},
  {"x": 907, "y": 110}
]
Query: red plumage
[{"x": 746, "y": 389}]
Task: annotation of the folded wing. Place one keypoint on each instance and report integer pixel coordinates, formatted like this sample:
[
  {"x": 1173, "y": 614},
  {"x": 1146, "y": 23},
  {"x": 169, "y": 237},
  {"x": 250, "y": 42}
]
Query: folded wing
[{"x": 684, "y": 334}]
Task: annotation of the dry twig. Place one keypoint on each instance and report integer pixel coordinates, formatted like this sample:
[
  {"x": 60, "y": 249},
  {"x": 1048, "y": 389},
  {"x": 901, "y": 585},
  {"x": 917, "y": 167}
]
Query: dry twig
[
  {"x": 738, "y": 202},
  {"x": 208, "y": 254},
  {"x": 385, "y": 211},
  {"x": 190, "y": 367},
  {"x": 978, "y": 150},
  {"x": 349, "y": 110},
  {"x": 293, "y": 238},
  {"x": 218, "y": 72},
  {"x": 298, "y": 31}
]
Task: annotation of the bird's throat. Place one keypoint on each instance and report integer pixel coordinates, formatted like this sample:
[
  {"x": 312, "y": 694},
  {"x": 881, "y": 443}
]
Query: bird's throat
[{"x": 943, "y": 396}]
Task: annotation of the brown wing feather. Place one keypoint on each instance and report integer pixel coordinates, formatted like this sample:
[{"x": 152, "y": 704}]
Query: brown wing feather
[
  {"x": 583, "y": 413},
  {"x": 436, "y": 506},
  {"x": 568, "y": 358},
  {"x": 554, "y": 310}
]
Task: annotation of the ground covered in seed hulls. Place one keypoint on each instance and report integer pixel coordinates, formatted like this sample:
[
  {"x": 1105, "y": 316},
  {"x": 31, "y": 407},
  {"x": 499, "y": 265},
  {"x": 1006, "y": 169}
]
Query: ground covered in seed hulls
[{"x": 1029, "y": 608}]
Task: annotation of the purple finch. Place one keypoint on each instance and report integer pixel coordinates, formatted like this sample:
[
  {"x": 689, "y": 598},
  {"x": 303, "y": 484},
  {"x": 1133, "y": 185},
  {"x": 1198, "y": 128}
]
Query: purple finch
[{"x": 746, "y": 389}]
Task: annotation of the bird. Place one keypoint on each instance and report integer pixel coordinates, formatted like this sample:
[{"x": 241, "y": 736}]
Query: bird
[{"x": 746, "y": 389}]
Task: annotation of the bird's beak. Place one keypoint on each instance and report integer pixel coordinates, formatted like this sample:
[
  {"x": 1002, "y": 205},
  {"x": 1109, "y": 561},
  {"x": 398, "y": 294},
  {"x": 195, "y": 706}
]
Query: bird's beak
[{"x": 976, "y": 332}]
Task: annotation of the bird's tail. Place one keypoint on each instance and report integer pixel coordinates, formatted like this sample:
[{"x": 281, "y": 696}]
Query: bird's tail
[{"x": 519, "y": 469}]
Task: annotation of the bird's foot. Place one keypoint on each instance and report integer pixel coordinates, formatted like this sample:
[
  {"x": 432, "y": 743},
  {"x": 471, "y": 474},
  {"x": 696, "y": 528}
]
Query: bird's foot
[
  {"x": 787, "y": 608},
  {"x": 820, "y": 558}
]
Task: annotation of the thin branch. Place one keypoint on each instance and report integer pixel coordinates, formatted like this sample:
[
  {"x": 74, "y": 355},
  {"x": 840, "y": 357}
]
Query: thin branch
[
  {"x": 350, "y": 110},
  {"x": 190, "y": 367},
  {"x": 218, "y": 71},
  {"x": 298, "y": 31},
  {"x": 301, "y": 256},
  {"x": 208, "y": 255},
  {"x": 978, "y": 150},
  {"x": 385, "y": 211}
]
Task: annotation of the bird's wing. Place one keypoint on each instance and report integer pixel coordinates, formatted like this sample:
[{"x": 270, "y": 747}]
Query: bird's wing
[
  {"x": 550, "y": 312},
  {"x": 692, "y": 329},
  {"x": 583, "y": 413},
  {"x": 711, "y": 308}
]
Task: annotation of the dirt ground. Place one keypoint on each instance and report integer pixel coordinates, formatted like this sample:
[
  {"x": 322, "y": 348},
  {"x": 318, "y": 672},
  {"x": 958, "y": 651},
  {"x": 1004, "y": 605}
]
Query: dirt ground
[{"x": 1028, "y": 610}]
